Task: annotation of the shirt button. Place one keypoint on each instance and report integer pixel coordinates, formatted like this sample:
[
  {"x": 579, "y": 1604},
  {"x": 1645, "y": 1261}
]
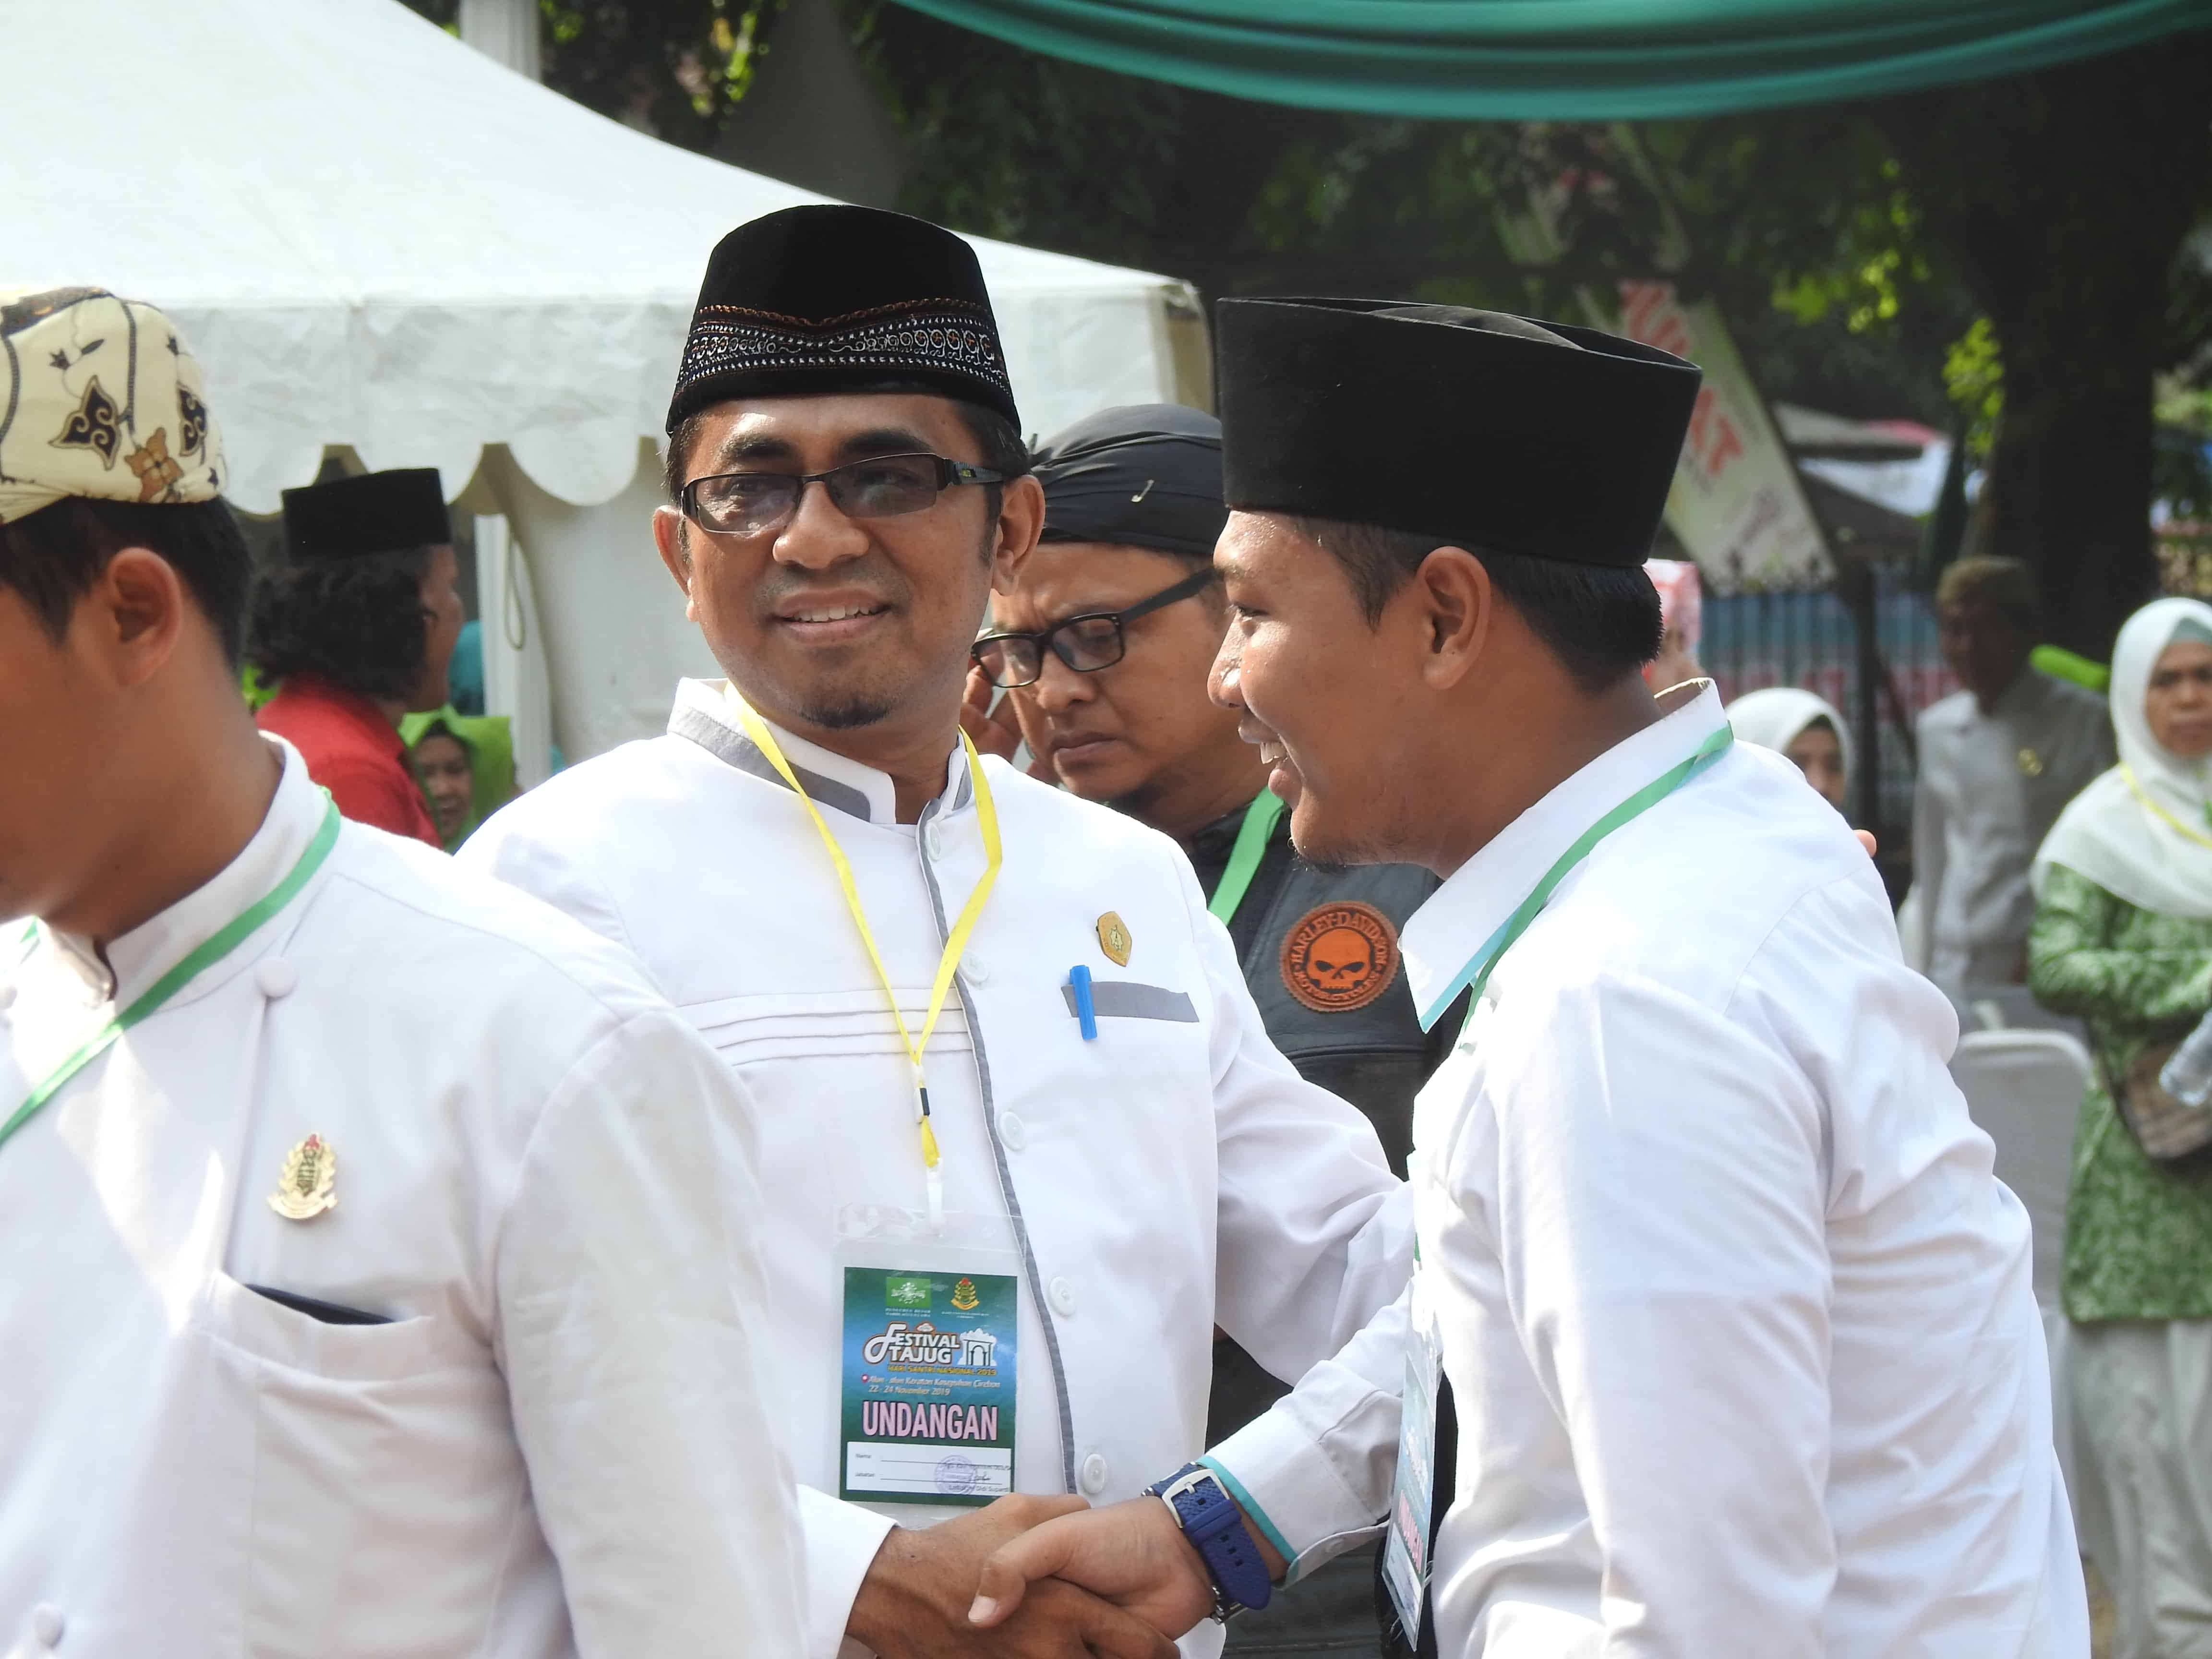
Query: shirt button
[
  {"x": 932, "y": 839},
  {"x": 46, "y": 1624},
  {"x": 1012, "y": 1132},
  {"x": 1094, "y": 1474},
  {"x": 1063, "y": 1297},
  {"x": 973, "y": 969},
  {"x": 276, "y": 978}
]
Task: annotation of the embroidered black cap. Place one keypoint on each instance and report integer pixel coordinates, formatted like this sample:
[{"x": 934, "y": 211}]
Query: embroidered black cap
[
  {"x": 1483, "y": 429},
  {"x": 376, "y": 513},
  {"x": 823, "y": 298}
]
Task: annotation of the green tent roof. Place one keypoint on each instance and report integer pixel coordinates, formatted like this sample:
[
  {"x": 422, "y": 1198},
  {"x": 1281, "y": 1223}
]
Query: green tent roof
[{"x": 1574, "y": 60}]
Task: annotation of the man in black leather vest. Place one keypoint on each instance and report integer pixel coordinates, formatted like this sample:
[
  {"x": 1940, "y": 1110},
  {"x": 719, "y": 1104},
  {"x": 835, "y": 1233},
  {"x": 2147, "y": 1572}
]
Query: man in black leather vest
[{"x": 1104, "y": 650}]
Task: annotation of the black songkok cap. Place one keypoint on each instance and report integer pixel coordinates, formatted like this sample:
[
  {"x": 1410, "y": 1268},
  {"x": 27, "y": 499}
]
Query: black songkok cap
[
  {"x": 377, "y": 512},
  {"x": 826, "y": 299},
  {"x": 1145, "y": 476},
  {"x": 1487, "y": 431}
]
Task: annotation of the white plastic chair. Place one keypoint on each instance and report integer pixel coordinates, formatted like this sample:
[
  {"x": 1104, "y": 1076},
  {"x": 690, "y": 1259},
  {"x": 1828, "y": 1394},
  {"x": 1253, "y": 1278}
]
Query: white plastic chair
[{"x": 2024, "y": 1088}]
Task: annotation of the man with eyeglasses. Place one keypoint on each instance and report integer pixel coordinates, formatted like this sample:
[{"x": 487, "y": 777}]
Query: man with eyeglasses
[
  {"x": 1102, "y": 646},
  {"x": 1025, "y": 1141}
]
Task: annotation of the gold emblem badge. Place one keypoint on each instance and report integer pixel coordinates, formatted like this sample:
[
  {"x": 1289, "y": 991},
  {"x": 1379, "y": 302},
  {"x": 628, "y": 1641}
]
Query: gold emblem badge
[
  {"x": 964, "y": 1296},
  {"x": 2031, "y": 762},
  {"x": 1113, "y": 938},
  {"x": 307, "y": 1185}
]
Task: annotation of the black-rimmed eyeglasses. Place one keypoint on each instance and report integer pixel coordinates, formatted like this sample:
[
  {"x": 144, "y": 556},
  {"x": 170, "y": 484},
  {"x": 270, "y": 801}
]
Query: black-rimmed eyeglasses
[
  {"x": 881, "y": 487},
  {"x": 1086, "y": 643}
]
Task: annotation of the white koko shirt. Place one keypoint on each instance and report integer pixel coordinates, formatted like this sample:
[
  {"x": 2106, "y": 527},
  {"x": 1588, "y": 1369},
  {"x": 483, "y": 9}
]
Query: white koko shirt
[
  {"x": 560, "y": 1444},
  {"x": 1739, "y": 1322},
  {"x": 1173, "y": 1173}
]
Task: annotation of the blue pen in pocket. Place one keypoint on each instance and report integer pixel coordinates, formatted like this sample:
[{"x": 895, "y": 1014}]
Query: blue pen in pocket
[{"x": 1087, "y": 1013}]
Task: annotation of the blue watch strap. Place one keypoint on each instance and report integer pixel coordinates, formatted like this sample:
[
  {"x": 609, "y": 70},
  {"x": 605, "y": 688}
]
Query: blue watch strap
[{"x": 1210, "y": 1519}]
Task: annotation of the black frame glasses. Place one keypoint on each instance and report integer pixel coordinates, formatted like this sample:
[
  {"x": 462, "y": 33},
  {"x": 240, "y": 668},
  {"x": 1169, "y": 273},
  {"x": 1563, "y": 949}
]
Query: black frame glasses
[
  {"x": 1099, "y": 647},
  {"x": 753, "y": 503}
]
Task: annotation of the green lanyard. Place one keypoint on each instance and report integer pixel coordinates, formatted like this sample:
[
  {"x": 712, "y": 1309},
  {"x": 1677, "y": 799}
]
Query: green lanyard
[
  {"x": 1244, "y": 857},
  {"x": 183, "y": 974},
  {"x": 1477, "y": 972}
]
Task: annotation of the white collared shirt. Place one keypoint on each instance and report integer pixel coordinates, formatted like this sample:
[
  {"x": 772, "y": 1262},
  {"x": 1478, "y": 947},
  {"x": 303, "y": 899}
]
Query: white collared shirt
[
  {"x": 1173, "y": 1173},
  {"x": 560, "y": 1443},
  {"x": 1739, "y": 1323}
]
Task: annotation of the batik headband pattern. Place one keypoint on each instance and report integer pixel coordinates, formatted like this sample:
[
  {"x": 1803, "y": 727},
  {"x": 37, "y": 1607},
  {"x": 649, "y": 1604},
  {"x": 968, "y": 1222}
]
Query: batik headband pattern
[{"x": 99, "y": 398}]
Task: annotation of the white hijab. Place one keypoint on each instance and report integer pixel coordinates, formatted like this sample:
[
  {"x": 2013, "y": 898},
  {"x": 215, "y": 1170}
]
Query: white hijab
[
  {"x": 2121, "y": 832},
  {"x": 1774, "y": 718}
]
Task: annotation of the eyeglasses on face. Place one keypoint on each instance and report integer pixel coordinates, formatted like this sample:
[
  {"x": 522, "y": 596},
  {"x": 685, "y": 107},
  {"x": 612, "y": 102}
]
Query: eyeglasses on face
[
  {"x": 1086, "y": 643},
  {"x": 880, "y": 487}
]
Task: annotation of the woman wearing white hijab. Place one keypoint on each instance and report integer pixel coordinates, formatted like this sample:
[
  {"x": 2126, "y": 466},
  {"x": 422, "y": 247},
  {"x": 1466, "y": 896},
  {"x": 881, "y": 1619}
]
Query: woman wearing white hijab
[
  {"x": 2123, "y": 939},
  {"x": 1803, "y": 730}
]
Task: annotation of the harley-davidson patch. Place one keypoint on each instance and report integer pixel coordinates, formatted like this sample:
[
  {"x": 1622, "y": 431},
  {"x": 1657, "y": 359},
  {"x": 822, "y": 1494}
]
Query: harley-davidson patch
[{"x": 1340, "y": 956}]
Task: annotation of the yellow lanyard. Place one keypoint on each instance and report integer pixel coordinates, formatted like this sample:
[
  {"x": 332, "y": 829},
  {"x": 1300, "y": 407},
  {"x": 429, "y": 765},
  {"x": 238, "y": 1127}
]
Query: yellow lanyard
[
  {"x": 2143, "y": 795},
  {"x": 987, "y": 815}
]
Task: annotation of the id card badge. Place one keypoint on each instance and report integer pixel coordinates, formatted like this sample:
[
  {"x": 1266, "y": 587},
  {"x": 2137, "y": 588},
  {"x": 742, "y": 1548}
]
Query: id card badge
[
  {"x": 928, "y": 1363},
  {"x": 1407, "y": 1563}
]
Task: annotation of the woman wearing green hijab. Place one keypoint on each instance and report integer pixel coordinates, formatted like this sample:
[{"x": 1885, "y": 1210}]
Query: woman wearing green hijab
[{"x": 462, "y": 789}]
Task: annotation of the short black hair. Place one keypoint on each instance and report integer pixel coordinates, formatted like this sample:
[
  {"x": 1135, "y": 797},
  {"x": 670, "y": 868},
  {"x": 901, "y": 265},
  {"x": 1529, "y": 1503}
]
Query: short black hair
[
  {"x": 356, "y": 623},
  {"x": 1601, "y": 621},
  {"x": 54, "y": 555},
  {"x": 1000, "y": 445}
]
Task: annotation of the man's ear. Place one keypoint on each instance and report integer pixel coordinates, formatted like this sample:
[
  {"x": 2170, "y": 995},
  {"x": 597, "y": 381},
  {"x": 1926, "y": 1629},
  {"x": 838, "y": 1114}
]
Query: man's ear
[
  {"x": 1021, "y": 522},
  {"x": 671, "y": 535},
  {"x": 1456, "y": 603},
  {"x": 137, "y": 612}
]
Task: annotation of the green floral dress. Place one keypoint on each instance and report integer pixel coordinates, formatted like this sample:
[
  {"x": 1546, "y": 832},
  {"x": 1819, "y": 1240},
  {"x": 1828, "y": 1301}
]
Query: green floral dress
[{"x": 2138, "y": 1234}]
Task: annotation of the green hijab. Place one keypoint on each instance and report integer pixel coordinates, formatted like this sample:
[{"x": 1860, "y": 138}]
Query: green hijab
[{"x": 490, "y": 742}]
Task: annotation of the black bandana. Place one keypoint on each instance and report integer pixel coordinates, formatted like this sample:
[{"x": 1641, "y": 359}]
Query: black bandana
[{"x": 1145, "y": 476}]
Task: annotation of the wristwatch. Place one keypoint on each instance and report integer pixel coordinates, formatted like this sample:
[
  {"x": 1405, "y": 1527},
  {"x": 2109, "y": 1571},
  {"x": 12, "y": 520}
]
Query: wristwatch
[{"x": 1210, "y": 1519}]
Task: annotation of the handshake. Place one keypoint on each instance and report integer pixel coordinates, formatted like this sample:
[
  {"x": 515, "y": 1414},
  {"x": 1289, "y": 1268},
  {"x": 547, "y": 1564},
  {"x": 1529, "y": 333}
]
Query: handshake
[{"x": 1037, "y": 1579}]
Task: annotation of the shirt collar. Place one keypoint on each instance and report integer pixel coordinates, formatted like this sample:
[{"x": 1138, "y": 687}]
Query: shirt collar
[
  {"x": 1476, "y": 900},
  {"x": 706, "y": 714},
  {"x": 135, "y": 961},
  {"x": 363, "y": 713}
]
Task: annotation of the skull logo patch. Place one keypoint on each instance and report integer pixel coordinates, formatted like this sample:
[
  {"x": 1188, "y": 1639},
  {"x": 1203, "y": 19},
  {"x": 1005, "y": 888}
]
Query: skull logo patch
[{"x": 1339, "y": 957}]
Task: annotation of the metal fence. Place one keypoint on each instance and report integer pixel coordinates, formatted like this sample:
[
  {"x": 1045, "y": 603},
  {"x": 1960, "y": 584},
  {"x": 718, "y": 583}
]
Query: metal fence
[{"x": 1808, "y": 637}]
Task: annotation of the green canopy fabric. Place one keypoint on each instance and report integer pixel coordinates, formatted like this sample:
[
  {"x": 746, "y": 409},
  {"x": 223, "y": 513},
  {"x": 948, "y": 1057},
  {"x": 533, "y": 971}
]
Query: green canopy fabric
[{"x": 1569, "y": 60}]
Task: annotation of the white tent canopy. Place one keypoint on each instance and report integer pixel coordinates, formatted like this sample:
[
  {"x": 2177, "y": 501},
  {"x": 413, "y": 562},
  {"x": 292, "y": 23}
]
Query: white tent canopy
[{"x": 373, "y": 236}]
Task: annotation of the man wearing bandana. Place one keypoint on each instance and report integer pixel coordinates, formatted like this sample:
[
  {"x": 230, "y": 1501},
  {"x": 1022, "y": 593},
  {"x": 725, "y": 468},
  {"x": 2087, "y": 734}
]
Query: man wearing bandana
[
  {"x": 1722, "y": 1339},
  {"x": 383, "y": 1276}
]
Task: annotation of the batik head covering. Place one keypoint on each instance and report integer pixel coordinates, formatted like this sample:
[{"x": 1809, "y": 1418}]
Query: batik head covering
[
  {"x": 1148, "y": 475},
  {"x": 99, "y": 399},
  {"x": 1487, "y": 431},
  {"x": 825, "y": 299},
  {"x": 2142, "y": 831},
  {"x": 1773, "y": 718}
]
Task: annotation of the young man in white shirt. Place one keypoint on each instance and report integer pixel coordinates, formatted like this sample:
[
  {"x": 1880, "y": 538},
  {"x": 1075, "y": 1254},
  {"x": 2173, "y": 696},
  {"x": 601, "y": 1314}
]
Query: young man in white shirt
[
  {"x": 375, "y": 1284},
  {"x": 1013, "y": 1087},
  {"x": 1723, "y": 1339}
]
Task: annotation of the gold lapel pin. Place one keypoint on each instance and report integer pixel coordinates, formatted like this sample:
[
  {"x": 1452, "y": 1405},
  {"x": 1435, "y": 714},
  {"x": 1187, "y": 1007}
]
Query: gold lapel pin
[
  {"x": 2031, "y": 762},
  {"x": 1113, "y": 938},
  {"x": 307, "y": 1185}
]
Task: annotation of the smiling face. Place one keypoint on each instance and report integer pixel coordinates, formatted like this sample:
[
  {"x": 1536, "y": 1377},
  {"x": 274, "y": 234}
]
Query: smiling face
[
  {"x": 1329, "y": 699},
  {"x": 1140, "y": 734},
  {"x": 2179, "y": 703},
  {"x": 830, "y": 622},
  {"x": 443, "y": 763}
]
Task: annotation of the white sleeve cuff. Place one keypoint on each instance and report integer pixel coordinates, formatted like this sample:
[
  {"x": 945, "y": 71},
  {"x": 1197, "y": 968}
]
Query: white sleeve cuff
[
  {"x": 842, "y": 1542},
  {"x": 1314, "y": 1472}
]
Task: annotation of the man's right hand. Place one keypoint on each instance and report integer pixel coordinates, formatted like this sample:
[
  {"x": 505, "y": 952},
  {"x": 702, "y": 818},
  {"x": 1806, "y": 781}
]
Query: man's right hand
[{"x": 913, "y": 1603}]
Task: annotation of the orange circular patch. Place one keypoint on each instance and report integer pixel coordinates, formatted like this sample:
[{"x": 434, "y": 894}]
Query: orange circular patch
[{"x": 1339, "y": 957}]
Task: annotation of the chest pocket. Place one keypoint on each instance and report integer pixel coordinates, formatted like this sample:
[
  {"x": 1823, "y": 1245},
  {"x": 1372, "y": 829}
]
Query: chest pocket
[{"x": 361, "y": 1455}]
